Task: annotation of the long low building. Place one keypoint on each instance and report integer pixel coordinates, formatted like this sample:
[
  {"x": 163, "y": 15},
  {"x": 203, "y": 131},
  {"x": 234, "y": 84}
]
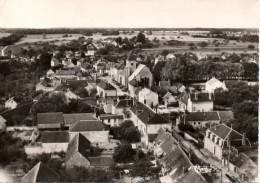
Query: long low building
[
  {"x": 94, "y": 130},
  {"x": 57, "y": 120},
  {"x": 55, "y": 141},
  {"x": 207, "y": 119}
]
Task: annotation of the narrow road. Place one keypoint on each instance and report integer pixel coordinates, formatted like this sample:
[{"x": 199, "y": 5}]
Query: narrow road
[
  {"x": 205, "y": 157},
  {"x": 3, "y": 51}
]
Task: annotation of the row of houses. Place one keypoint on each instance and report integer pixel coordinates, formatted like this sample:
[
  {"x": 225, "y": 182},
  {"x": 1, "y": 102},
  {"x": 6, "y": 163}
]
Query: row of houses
[{"x": 176, "y": 165}]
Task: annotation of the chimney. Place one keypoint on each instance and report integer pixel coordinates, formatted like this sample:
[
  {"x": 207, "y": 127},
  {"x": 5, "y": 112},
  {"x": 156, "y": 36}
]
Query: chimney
[
  {"x": 209, "y": 96},
  {"x": 244, "y": 139},
  {"x": 127, "y": 104},
  {"x": 215, "y": 126},
  {"x": 196, "y": 96}
]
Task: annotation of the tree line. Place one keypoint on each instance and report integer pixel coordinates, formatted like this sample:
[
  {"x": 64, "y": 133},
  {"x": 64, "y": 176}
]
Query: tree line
[
  {"x": 9, "y": 40},
  {"x": 243, "y": 99},
  {"x": 184, "y": 69}
]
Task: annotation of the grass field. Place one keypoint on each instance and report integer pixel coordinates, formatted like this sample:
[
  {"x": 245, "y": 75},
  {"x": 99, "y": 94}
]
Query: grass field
[{"x": 57, "y": 39}]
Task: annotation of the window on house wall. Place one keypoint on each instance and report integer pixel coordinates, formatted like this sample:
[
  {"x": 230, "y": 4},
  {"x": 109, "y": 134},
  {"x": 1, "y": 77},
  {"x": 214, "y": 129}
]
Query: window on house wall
[
  {"x": 220, "y": 142},
  {"x": 209, "y": 135},
  {"x": 194, "y": 123}
]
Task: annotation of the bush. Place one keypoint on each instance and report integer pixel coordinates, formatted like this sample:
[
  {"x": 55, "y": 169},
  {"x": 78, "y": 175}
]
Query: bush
[
  {"x": 124, "y": 153},
  {"x": 127, "y": 131},
  {"x": 251, "y": 47}
]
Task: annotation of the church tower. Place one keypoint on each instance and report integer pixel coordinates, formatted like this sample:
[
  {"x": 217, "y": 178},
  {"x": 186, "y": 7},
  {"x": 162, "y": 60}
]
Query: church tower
[{"x": 130, "y": 66}]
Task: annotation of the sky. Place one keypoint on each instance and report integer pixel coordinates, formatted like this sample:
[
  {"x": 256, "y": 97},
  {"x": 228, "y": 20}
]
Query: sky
[{"x": 129, "y": 13}]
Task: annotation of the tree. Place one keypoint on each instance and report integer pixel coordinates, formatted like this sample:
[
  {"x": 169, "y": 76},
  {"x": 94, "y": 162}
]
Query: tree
[
  {"x": 251, "y": 47},
  {"x": 144, "y": 169},
  {"x": 127, "y": 131},
  {"x": 44, "y": 62},
  {"x": 4, "y": 68},
  {"x": 123, "y": 153},
  {"x": 83, "y": 92},
  {"x": 82, "y": 54},
  {"x": 202, "y": 44},
  {"x": 165, "y": 52},
  {"x": 55, "y": 102},
  {"x": 119, "y": 40},
  {"x": 141, "y": 38}
]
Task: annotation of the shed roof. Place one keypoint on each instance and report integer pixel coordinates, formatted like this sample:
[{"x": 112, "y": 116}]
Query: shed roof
[
  {"x": 41, "y": 173},
  {"x": 202, "y": 116},
  {"x": 75, "y": 117},
  {"x": 88, "y": 125},
  {"x": 50, "y": 118},
  {"x": 79, "y": 144},
  {"x": 147, "y": 115},
  {"x": 55, "y": 137}
]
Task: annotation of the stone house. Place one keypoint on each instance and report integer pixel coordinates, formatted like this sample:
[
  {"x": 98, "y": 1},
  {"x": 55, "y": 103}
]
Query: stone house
[
  {"x": 94, "y": 130},
  {"x": 148, "y": 97},
  {"x": 220, "y": 137}
]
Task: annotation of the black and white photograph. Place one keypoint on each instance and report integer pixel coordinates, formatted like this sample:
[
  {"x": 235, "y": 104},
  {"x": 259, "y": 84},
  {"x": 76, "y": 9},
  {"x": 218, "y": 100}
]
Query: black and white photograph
[{"x": 129, "y": 91}]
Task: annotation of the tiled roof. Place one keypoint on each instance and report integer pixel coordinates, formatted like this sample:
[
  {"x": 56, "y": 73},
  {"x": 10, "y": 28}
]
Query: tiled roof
[
  {"x": 133, "y": 82},
  {"x": 147, "y": 115},
  {"x": 192, "y": 176},
  {"x": 202, "y": 116},
  {"x": 80, "y": 144},
  {"x": 239, "y": 160},
  {"x": 137, "y": 71},
  {"x": 106, "y": 86},
  {"x": 50, "y": 118},
  {"x": 88, "y": 125},
  {"x": 75, "y": 117},
  {"x": 124, "y": 103},
  {"x": 168, "y": 145},
  {"x": 223, "y": 131},
  {"x": 41, "y": 173},
  {"x": 226, "y": 115},
  {"x": 201, "y": 97},
  {"x": 177, "y": 160},
  {"x": 110, "y": 116},
  {"x": 162, "y": 135},
  {"x": 183, "y": 97},
  {"x": 55, "y": 137}
]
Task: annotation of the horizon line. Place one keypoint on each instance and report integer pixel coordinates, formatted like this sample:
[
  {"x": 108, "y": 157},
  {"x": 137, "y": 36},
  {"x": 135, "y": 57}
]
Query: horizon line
[{"x": 257, "y": 28}]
